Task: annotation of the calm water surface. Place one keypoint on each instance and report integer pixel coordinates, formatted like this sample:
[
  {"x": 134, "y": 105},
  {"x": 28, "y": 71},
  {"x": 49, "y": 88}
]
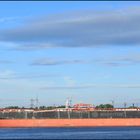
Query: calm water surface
[{"x": 71, "y": 133}]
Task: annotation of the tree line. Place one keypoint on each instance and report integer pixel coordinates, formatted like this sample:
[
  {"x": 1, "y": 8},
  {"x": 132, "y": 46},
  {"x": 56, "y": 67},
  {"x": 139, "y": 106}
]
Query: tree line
[{"x": 101, "y": 106}]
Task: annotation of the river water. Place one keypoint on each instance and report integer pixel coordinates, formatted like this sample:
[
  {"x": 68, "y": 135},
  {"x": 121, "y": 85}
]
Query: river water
[{"x": 71, "y": 133}]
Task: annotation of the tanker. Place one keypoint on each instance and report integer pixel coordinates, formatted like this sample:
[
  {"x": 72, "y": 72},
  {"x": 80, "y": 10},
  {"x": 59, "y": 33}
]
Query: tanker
[
  {"x": 69, "y": 122},
  {"x": 69, "y": 118}
]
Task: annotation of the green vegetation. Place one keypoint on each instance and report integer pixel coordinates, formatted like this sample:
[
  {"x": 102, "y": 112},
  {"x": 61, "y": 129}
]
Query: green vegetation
[
  {"x": 132, "y": 107},
  {"x": 104, "y": 106},
  {"x": 101, "y": 106},
  {"x": 12, "y": 107},
  {"x": 41, "y": 107},
  {"x": 62, "y": 106},
  {"x": 50, "y": 107}
]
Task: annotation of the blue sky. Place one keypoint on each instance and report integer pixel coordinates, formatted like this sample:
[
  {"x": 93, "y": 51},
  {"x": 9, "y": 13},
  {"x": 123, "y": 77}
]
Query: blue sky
[{"x": 88, "y": 51}]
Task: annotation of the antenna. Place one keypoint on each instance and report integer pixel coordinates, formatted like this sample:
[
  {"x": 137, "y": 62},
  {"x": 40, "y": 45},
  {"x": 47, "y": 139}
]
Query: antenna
[
  {"x": 125, "y": 105},
  {"x": 112, "y": 102},
  {"x": 32, "y": 103},
  {"x": 133, "y": 104},
  {"x": 70, "y": 102},
  {"x": 37, "y": 101}
]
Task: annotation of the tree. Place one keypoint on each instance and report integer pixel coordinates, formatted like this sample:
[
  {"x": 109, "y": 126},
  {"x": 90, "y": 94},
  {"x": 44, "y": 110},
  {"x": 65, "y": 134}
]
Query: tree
[
  {"x": 62, "y": 106},
  {"x": 132, "y": 107},
  {"x": 42, "y": 107},
  {"x": 104, "y": 106},
  {"x": 50, "y": 107},
  {"x": 12, "y": 107}
]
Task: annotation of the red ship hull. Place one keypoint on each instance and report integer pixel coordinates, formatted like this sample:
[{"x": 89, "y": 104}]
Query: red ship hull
[{"x": 69, "y": 122}]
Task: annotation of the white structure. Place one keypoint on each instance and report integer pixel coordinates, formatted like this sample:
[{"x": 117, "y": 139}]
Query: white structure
[{"x": 68, "y": 103}]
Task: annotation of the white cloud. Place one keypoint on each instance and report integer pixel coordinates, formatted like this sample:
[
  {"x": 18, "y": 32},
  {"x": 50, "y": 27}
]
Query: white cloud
[{"x": 86, "y": 86}]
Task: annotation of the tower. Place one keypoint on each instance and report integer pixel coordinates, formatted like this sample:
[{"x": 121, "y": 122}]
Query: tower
[
  {"x": 67, "y": 103},
  {"x": 37, "y": 101},
  {"x": 32, "y": 103}
]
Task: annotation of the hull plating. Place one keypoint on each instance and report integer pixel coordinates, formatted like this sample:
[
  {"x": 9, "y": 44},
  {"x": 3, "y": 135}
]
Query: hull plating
[{"x": 69, "y": 122}]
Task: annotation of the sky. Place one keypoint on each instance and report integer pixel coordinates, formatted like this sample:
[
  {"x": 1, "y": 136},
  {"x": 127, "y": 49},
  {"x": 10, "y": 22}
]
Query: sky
[{"x": 86, "y": 51}]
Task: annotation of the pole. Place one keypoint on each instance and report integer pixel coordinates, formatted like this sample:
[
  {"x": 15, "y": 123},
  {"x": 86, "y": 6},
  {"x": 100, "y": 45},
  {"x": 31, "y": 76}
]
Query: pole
[
  {"x": 25, "y": 114},
  {"x": 88, "y": 114},
  {"x": 58, "y": 113},
  {"x": 37, "y": 102},
  {"x": 32, "y": 103},
  {"x": 68, "y": 114},
  {"x": 125, "y": 110}
]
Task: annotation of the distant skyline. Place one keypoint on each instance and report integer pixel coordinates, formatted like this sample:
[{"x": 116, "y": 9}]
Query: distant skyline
[{"x": 88, "y": 51}]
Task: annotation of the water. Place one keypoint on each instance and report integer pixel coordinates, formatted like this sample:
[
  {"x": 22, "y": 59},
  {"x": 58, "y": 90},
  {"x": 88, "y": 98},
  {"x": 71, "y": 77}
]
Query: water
[{"x": 71, "y": 133}]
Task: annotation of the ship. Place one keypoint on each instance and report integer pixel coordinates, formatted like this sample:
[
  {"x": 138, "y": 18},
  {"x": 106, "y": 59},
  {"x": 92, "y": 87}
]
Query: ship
[{"x": 80, "y": 115}]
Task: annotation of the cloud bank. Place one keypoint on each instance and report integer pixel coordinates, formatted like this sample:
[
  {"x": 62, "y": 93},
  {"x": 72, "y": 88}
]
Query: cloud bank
[
  {"x": 10, "y": 75},
  {"x": 125, "y": 60},
  {"x": 79, "y": 29},
  {"x": 50, "y": 62},
  {"x": 86, "y": 86}
]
